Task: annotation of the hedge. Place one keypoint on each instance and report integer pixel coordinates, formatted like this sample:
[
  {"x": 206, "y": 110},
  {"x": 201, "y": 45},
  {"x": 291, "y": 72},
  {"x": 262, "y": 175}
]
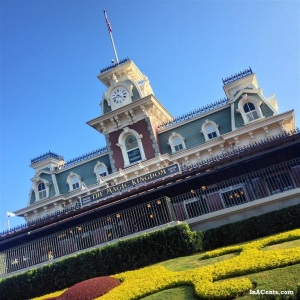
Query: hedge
[
  {"x": 260, "y": 226},
  {"x": 130, "y": 254}
]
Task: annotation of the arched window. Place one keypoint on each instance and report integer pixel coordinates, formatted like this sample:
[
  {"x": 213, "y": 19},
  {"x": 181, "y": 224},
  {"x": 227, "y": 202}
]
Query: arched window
[
  {"x": 176, "y": 142},
  {"x": 74, "y": 181},
  {"x": 132, "y": 149},
  {"x": 250, "y": 111},
  {"x": 210, "y": 130},
  {"x": 131, "y": 146},
  {"x": 100, "y": 170},
  {"x": 249, "y": 108},
  {"x": 42, "y": 191}
]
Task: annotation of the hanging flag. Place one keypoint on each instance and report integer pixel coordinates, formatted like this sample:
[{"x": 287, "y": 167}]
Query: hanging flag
[
  {"x": 10, "y": 214},
  {"x": 107, "y": 23}
]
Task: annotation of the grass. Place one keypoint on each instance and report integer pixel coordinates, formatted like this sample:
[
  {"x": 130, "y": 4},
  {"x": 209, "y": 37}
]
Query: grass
[{"x": 280, "y": 279}]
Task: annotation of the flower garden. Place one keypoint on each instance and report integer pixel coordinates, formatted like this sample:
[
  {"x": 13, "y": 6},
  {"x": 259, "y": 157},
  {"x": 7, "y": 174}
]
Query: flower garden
[{"x": 220, "y": 280}]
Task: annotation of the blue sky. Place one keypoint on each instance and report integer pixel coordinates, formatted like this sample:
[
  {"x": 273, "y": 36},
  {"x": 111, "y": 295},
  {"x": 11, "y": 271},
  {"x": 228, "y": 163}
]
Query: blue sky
[{"x": 52, "y": 51}]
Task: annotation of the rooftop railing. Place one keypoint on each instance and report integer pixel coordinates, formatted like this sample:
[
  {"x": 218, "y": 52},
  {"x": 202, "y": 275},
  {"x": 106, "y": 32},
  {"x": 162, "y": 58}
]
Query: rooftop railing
[
  {"x": 46, "y": 156},
  {"x": 72, "y": 161},
  {"x": 237, "y": 76},
  {"x": 114, "y": 64},
  {"x": 194, "y": 113},
  {"x": 86, "y": 156}
]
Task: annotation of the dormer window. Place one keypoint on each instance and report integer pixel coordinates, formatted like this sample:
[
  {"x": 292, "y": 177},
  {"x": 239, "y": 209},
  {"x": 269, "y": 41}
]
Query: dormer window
[
  {"x": 100, "y": 170},
  {"x": 250, "y": 111},
  {"x": 74, "y": 181},
  {"x": 40, "y": 188},
  {"x": 210, "y": 130},
  {"x": 131, "y": 146},
  {"x": 176, "y": 142},
  {"x": 42, "y": 191},
  {"x": 249, "y": 108}
]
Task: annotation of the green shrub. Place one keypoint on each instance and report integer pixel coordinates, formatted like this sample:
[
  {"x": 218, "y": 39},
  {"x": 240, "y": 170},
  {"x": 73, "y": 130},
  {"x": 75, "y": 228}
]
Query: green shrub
[
  {"x": 252, "y": 228},
  {"x": 130, "y": 254}
]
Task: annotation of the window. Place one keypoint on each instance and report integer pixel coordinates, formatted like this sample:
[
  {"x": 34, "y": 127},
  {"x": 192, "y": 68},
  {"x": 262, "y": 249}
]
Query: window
[
  {"x": 100, "y": 170},
  {"x": 250, "y": 111},
  {"x": 42, "y": 190},
  {"x": 210, "y": 130},
  {"x": 195, "y": 207},
  {"x": 131, "y": 146},
  {"x": 176, "y": 142},
  {"x": 75, "y": 183},
  {"x": 279, "y": 183},
  {"x": 249, "y": 108},
  {"x": 234, "y": 195},
  {"x": 132, "y": 149}
]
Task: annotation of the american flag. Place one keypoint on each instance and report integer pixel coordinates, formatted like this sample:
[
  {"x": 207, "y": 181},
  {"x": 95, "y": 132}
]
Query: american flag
[{"x": 107, "y": 22}]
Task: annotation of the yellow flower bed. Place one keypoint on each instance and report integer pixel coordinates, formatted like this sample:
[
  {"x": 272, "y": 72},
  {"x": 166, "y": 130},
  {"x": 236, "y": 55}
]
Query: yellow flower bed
[
  {"x": 206, "y": 280},
  {"x": 55, "y": 294},
  {"x": 214, "y": 281}
]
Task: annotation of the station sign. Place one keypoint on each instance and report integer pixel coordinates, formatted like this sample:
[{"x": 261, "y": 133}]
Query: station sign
[{"x": 130, "y": 184}]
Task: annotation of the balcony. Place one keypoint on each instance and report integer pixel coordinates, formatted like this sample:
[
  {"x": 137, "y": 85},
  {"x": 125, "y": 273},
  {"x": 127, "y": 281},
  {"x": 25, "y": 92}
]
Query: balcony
[{"x": 206, "y": 202}]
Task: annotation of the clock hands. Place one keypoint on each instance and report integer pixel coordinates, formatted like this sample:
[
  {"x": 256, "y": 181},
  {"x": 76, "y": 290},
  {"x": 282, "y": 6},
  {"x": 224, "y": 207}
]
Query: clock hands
[{"x": 119, "y": 96}]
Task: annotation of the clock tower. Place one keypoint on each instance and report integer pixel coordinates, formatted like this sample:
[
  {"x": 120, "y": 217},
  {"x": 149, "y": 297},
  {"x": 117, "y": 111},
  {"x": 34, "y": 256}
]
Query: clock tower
[{"x": 130, "y": 115}]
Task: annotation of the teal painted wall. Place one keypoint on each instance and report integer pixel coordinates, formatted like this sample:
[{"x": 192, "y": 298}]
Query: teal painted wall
[
  {"x": 85, "y": 170},
  {"x": 191, "y": 131}
]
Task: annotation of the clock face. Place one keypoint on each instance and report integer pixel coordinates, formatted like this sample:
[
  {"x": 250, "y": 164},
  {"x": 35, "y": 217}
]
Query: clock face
[{"x": 119, "y": 95}]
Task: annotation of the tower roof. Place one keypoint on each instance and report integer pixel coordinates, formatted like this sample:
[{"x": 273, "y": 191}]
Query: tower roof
[{"x": 117, "y": 71}]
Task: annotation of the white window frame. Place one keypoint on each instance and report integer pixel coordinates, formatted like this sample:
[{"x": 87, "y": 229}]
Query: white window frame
[
  {"x": 45, "y": 194},
  {"x": 42, "y": 192},
  {"x": 121, "y": 143},
  {"x": 245, "y": 115},
  {"x": 100, "y": 165},
  {"x": 71, "y": 184},
  {"x": 176, "y": 140},
  {"x": 210, "y": 124}
]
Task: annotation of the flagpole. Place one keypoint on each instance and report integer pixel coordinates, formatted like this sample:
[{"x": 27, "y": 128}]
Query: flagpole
[
  {"x": 8, "y": 224},
  {"x": 110, "y": 34}
]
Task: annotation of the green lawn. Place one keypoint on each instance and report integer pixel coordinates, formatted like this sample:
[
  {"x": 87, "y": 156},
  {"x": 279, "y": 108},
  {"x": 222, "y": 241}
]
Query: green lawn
[{"x": 280, "y": 279}]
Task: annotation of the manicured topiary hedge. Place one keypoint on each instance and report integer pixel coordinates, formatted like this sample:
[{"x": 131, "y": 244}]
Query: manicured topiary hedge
[
  {"x": 252, "y": 228},
  {"x": 125, "y": 255}
]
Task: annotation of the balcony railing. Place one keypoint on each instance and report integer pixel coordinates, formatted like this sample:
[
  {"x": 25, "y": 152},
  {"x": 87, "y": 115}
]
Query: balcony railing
[{"x": 205, "y": 200}]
